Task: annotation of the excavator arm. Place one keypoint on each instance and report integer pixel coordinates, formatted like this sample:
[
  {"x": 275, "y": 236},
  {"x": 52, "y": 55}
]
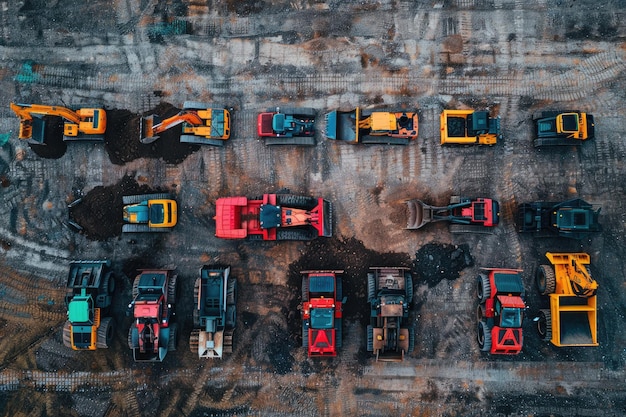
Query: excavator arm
[{"x": 150, "y": 130}]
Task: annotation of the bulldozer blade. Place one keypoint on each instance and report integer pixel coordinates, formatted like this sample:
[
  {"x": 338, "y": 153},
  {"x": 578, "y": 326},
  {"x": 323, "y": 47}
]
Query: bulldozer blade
[
  {"x": 146, "y": 135},
  {"x": 416, "y": 216}
]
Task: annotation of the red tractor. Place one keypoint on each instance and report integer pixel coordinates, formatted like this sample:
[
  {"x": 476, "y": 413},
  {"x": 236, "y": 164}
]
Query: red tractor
[
  {"x": 466, "y": 215},
  {"x": 322, "y": 306},
  {"x": 288, "y": 126},
  {"x": 273, "y": 217},
  {"x": 152, "y": 333},
  {"x": 500, "y": 311}
]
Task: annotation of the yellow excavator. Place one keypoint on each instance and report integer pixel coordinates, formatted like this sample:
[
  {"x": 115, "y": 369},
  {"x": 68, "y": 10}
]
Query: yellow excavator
[
  {"x": 571, "y": 319},
  {"x": 87, "y": 123},
  {"x": 203, "y": 124}
]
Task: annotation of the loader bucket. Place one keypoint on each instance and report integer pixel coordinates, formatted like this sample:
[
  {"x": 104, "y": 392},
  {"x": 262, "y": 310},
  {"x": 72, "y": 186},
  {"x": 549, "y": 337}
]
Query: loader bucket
[
  {"x": 416, "y": 214},
  {"x": 146, "y": 125}
]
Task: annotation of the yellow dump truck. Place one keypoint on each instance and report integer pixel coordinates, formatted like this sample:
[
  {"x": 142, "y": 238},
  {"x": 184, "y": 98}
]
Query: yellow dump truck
[{"x": 571, "y": 319}]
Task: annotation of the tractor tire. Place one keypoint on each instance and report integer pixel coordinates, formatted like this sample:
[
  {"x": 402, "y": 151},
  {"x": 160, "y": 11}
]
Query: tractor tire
[
  {"x": 131, "y": 342},
  {"x": 483, "y": 288},
  {"x": 305, "y": 335},
  {"x": 545, "y": 279},
  {"x": 305, "y": 289},
  {"x": 171, "y": 290},
  {"x": 105, "y": 333},
  {"x": 109, "y": 283},
  {"x": 296, "y": 201},
  {"x": 339, "y": 287},
  {"x": 484, "y": 337},
  {"x": 135, "y": 290},
  {"x": 67, "y": 336},
  {"x": 338, "y": 333},
  {"x": 544, "y": 325},
  {"x": 411, "y": 339},
  {"x": 194, "y": 341},
  {"x": 371, "y": 287},
  {"x": 231, "y": 316},
  {"x": 231, "y": 293},
  {"x": 370, "y": 338},
  {"x": 295, "y": 234},
  {"x": 173, "y": 340},
  {"x": 408, "y": 287},
  {"x": 227, "y": 345}
]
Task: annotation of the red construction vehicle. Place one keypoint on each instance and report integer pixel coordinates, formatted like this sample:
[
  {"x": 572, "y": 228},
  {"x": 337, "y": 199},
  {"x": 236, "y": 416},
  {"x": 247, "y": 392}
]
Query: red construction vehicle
[
  {"x": 287, "y": 126},
  {"x": 500, "y": 311},
  {"x": 322, "y": 306},
  {"x": 273, "y": 217},
  {"x": 152, "y": 333},
  {"x": 466, "y": 215}
]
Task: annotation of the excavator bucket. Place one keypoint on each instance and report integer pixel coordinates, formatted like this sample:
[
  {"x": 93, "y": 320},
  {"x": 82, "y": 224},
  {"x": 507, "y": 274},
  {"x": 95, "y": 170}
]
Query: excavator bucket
[{"x": 146, "y": 132}]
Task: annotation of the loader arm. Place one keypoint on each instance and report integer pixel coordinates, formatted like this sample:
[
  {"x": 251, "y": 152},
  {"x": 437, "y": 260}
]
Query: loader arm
[{"x": 583, "y": 285}]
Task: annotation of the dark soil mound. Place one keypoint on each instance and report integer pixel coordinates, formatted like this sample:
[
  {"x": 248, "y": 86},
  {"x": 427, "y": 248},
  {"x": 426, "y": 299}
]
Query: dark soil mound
[
  {"x": 54, "y": 146},
  {"x": 99, "y": 213},
  {"x": 122, "y": 138},
  {"x": 434, "y": 262}
]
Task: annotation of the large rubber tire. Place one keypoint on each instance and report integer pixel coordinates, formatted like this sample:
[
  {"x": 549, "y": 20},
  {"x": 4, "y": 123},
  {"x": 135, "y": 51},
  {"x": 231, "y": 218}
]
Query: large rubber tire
[
  {"x": 105, "y": 333},
  {"x": 135, "y": 290},
  {"x": 484, "y": 337},
  {"x": 231, "y": 293},
  {"x": 544, "y": 325},
  {"x": 109, "y": 280},
  {"x": 194, "y": 341},
  {"x": 296, "y": 201},
  {"x": 408, "y": 289},
  {"x": 196, "y": 317},
  {"x": 305, "y": 289},
  {"x": 370, "y": 338},
  {"x": 305, "y": 335},
  {"x": 371, "y": 287},
  {"x": 545, "y": 279},
  {"x": 67, "y": 336},
  {"x": 173, "y": 340},
  {"x": 171, "y": 290},
  {"x": 483, "y": 288},
  {"x": 131, "y": 345}
]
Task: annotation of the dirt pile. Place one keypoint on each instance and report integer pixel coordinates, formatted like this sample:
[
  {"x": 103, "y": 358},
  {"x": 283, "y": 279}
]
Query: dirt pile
[
  {"x": 98, "y": 215},
  {"x": 123, "y": 133},
  {"x": 435, "y": 262}
]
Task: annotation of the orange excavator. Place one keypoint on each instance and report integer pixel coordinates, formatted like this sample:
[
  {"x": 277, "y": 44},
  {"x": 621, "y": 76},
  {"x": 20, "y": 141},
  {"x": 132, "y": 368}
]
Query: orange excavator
[
  {"x": 82, "y": 124},
  {"x": 203, "y": 124}
]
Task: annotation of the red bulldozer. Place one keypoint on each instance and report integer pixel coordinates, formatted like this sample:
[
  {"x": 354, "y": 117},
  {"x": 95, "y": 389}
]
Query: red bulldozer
[{"x": 273, "y": 217}]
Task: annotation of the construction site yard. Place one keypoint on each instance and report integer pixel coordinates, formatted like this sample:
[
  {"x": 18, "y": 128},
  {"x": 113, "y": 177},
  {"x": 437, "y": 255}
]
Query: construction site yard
[{"x": 137, "y": 58}]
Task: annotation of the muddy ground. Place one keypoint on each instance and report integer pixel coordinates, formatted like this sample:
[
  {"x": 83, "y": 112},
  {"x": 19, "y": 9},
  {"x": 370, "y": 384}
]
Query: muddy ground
[{"x": 140, "y": 58}]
